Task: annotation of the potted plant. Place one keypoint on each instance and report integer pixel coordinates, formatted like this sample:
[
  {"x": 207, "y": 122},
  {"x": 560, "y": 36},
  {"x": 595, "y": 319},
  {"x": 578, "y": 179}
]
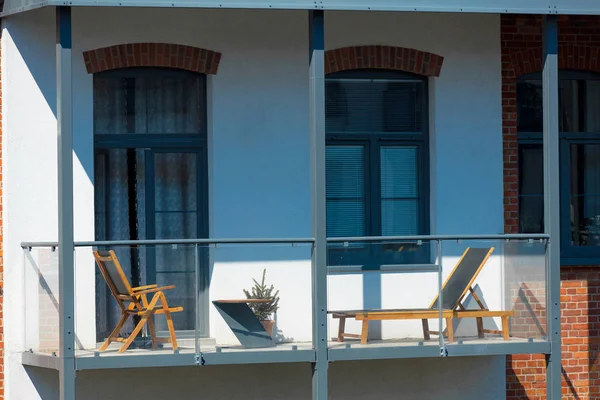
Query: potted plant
[{"x": 263, "y": 310}]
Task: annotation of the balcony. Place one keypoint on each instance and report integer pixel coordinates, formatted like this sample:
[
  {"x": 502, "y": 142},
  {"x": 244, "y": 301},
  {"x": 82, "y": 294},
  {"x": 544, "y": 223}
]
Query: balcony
[{"x": 384, "y": 297}]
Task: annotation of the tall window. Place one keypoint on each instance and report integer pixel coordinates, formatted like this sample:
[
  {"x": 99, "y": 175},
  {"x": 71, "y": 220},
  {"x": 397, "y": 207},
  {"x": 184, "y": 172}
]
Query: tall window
[
  {"x": 150, "y": 180},
  {"x": 579, "y": 124},
  {"x": 376, "y": 162}
]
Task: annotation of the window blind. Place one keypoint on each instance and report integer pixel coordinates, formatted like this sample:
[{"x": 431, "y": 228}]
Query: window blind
[
  {"x": 345, "y": 187},
  {"x": 399, "y": 190},
  {"x": 373, "y": 105}
]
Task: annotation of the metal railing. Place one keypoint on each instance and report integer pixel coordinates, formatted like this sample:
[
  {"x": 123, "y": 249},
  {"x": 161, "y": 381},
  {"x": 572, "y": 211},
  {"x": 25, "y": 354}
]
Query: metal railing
[
  {"x": 149, "y": 242},
  {"x": 435, "y": 242}
]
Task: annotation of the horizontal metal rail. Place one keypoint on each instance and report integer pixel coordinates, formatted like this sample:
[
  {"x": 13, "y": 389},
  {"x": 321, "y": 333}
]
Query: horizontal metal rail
[
  {"x": 407, "y": 268},
  {"x": 437, "y": 237},
  {"x": 291, "y": 240},
  {"x": 173, "y": 242}
]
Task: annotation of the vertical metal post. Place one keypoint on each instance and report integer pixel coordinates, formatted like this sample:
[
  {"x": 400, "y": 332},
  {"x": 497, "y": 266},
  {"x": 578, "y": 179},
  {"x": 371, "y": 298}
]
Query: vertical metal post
[
  {"x": 440, "y": 263},
  {"x": 552, "y": 204},
  {"x": 66, "y": 259},
  {"x": 197, "y": 301},
  {"x": 318, "y": 215}
]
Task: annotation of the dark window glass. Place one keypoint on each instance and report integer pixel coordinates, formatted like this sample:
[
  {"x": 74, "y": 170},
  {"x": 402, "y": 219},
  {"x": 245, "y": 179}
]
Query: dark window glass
[
  {"x": 579, "y": 125},
  {"x": 377, "y": 141},
  {"x": 531, "y": 189},
  {"x": 373, "y": 105},
  {"x": 346, "y": 191},
  {"x": 585, "y": 194},
  {"x": 578, "y": 105},
  {"x": 399, "y": 190},
  {"x": 163, "y": 102}
]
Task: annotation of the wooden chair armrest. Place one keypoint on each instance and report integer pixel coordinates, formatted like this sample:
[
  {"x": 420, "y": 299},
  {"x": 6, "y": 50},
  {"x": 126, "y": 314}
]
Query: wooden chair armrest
[
  {"x": 135, "y": 289},
  {"x": 156, "y": 289}
]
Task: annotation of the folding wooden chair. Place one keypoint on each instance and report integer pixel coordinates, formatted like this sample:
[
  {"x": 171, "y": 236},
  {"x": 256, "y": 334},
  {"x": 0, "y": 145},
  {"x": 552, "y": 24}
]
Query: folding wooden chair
[
  {"x": 454, "y": 290},
  {"x": 137, "y": 303}
]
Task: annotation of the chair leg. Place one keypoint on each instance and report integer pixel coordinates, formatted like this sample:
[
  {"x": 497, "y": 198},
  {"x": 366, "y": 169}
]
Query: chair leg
[
  {"x": 426, "y": 335},
  {"x": 115, "y": 332},
  {"x": 341, "y": 329},
  {"x": 450, "y": 330},
  {"x": 364, "y": 335},
  {"x": 505, "y": 331},
  {"x": 480, "y": 328},
  {"x": 172, "y": 335},
  {"x": 135, "y": 332},
  {"x": 148, "y": 314},
  {"x": 152, "y": 331}
]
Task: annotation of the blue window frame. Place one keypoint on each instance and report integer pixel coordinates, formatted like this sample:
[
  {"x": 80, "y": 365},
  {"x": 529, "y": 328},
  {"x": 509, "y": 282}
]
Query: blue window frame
[
  {"x": 377, "y": 165},
  {"x": 579, "y": 124},
  {"x": 151, "y": 182}
]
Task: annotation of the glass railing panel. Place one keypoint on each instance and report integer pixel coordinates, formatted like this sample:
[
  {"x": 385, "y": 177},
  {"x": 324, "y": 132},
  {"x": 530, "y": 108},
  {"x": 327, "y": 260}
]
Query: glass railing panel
[
  {"x": 115, "y": 287},
  {"x": 41, "y": 300},
  {"x": 259, "y": 297},
  {"x": 501, "y": 289},
  {"x": 383, "y": 292},
  {"x": 204, "y": 289}
]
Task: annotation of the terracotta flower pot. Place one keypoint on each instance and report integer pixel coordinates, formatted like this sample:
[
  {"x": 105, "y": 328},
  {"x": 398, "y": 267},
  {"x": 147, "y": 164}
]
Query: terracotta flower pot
[{"x": 268, "y": 325}]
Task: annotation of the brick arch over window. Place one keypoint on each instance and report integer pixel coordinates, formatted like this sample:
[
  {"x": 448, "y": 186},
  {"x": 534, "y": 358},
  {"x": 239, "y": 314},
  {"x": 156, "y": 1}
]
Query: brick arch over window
[
  {"x": 383, "y": 57},
  {"x": 178, "y": 56},
  {"x": 572, "y": 56}
]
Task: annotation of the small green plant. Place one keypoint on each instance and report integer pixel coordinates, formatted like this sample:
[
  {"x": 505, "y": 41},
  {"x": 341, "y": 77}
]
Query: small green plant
[{"x": 260, "y": 291}]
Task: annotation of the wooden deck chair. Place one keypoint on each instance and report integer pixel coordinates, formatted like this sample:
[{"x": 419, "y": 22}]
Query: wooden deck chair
[
  {"x": 454, "y": 289},
  {"x": 134, "y": 301}
]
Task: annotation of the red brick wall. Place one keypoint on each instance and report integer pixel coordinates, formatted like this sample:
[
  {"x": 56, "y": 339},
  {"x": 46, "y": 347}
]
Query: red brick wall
[
  {"x": 580, "y": 319},
  {"x": 579, "y": 48}
]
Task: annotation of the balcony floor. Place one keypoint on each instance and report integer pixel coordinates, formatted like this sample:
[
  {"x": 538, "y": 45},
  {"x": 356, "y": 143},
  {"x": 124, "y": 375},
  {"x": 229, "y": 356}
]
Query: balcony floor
[{"x": 288, "y": 352}]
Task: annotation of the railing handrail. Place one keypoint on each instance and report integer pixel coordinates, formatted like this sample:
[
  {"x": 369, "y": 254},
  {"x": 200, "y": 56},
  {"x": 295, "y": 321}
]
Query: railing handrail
[
  {"x": 150, "y": 242},
  {"x": 353, "y": 239},
  {"x": 517, "y": 236}
]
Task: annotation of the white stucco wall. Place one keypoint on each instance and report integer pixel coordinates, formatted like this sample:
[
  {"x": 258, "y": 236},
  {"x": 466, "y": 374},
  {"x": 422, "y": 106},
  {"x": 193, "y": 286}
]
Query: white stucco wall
[
  {"x": 451, "y": 378},
  {"x": 259, "y": 154}
]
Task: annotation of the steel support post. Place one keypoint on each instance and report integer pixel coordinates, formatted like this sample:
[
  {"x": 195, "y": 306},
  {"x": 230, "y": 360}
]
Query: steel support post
[
  {"x": 318, "y": 215},
  {"x": 66, "y": 259},
  {"x": 552, "y": 204}
]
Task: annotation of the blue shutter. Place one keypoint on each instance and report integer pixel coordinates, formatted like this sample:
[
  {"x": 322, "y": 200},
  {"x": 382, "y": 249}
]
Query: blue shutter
[
  {"x": 345, "y": 191},
  {"x": 399, "y": 191}
]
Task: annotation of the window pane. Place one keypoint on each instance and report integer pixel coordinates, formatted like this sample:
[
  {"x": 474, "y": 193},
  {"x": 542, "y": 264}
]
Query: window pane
[
  {"x": 345, "y": 177},
  {"x": 399, "y": 191},
  {"x": 592, "y": 106},
  {"x": 529, "y": 106},
  {"x": 160, "y": 103},
  {"x": 579, "y": 102},
  {"x": 585, "y": 194},
  {"x": 569, "y": 118},
  {"x": 531, "y": 188},
  {"x": 373, "y": 105}
]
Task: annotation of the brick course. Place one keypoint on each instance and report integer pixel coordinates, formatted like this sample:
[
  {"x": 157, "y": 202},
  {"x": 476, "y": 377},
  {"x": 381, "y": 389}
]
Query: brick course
[
  {"x": 579, "y": 48},
  {"x": 383, "y": 57},
  {"x": 152, "y": 55}
]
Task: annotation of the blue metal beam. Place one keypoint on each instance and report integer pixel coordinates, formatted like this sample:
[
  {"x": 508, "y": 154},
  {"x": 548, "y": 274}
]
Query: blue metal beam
[
  {"x": 552, "y": 204},
  {"x": 66, "y": 289},
  {"x": 453, "y": 6},
  {"x": 318, "y": 215}
]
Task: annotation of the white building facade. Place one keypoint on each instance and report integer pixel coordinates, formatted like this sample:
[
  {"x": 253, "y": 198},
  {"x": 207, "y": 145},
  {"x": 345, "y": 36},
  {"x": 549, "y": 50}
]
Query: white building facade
[{"x": 196, "y": 124}]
